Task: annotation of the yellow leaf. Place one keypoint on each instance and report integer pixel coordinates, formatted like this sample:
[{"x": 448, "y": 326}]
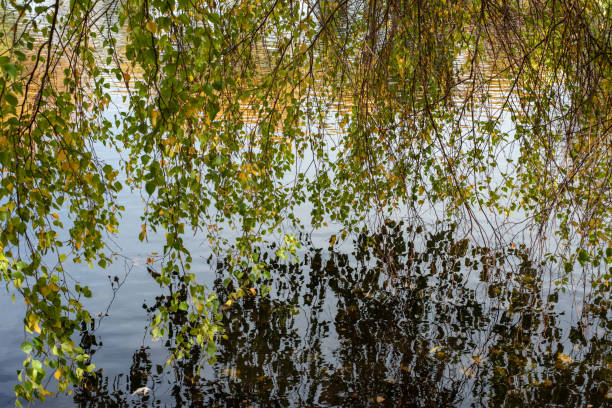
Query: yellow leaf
[
  {"x": 154, "y": 116},
  {"x": 433, "y": 350},
  {"x": 152, "y": 27},
  {"x": 253, "y": 291},
  {"x": 33, "y": 323},
  {"x": 332, "y": 241},
  {"x": 563, "y": 359},
  {"x": 44, "y": 290},
  {"x": 54, "y": 215},
  {"x": 380, "y": 399},
  {"x": 57, "y": 375}
]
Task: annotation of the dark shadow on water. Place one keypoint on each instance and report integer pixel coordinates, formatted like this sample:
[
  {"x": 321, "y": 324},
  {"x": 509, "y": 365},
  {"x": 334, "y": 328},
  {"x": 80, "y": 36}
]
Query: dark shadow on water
[{"x": 408, "y": 319}]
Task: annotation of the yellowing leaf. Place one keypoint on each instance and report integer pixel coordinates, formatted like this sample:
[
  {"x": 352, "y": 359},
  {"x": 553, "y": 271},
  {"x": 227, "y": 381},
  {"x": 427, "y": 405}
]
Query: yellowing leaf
[
  {"x": 152, "y": 27},
  {"x": 332, "y": 240},
  {"x": 33, "y": 324},
  {"x": 253, "y": 291},
  {"x": 433, "y": 350},
  {"x": 57, "y": 374},
  {"x": 154, "y": 116},
  {"x": 380, "y": 399}
]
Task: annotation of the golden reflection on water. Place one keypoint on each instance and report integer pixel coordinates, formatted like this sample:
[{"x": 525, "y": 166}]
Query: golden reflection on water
[{"x": 497, "y": 88}]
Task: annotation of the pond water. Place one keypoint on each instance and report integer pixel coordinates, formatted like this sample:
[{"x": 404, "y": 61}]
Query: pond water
[{"x": 404, "y": 317}]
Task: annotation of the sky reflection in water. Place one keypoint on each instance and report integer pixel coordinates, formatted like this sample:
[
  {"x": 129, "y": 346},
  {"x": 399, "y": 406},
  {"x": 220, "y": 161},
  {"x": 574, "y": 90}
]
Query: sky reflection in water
[{"x": 408, "y": 319}]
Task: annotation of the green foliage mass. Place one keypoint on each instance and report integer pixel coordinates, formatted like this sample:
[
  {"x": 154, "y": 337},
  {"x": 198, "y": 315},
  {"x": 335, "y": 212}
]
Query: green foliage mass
[{"x": 227, "y": 127}]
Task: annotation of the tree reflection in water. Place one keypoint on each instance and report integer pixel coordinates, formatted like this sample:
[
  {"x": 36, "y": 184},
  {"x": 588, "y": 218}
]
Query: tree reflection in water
[{"x": 408, "y": 319}]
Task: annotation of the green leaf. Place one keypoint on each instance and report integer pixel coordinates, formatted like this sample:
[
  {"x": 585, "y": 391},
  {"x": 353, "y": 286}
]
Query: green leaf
[
  {"x": 150, "y": 187},
  {"x": 26, "y": 347},
  {"x": 11, "y": 99},
  {"x": 10, "y": 70},
  {"x": 583, "y": 256}
]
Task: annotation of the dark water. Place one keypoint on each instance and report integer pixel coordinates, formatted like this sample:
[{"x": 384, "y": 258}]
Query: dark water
[{"x": 408, "y": 318}]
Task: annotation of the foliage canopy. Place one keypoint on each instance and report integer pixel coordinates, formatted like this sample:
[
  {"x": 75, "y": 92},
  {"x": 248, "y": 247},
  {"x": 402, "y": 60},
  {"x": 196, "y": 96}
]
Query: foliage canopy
[{"x": 491, "y": 113}]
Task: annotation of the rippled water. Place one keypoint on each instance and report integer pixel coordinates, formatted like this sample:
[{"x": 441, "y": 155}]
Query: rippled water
[{"x": 407, "y": 318}]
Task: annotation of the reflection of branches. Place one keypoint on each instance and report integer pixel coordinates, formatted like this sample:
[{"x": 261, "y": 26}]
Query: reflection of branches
[
  {"x": 434, "y": 337},
  {"x": 116, "y": 284}
]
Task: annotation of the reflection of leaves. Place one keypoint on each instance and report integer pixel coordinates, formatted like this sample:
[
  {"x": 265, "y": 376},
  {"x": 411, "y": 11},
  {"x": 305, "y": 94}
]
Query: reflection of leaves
[
  {"x": 395, "y": 343},
  {"x": 233, "y": 373}
]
